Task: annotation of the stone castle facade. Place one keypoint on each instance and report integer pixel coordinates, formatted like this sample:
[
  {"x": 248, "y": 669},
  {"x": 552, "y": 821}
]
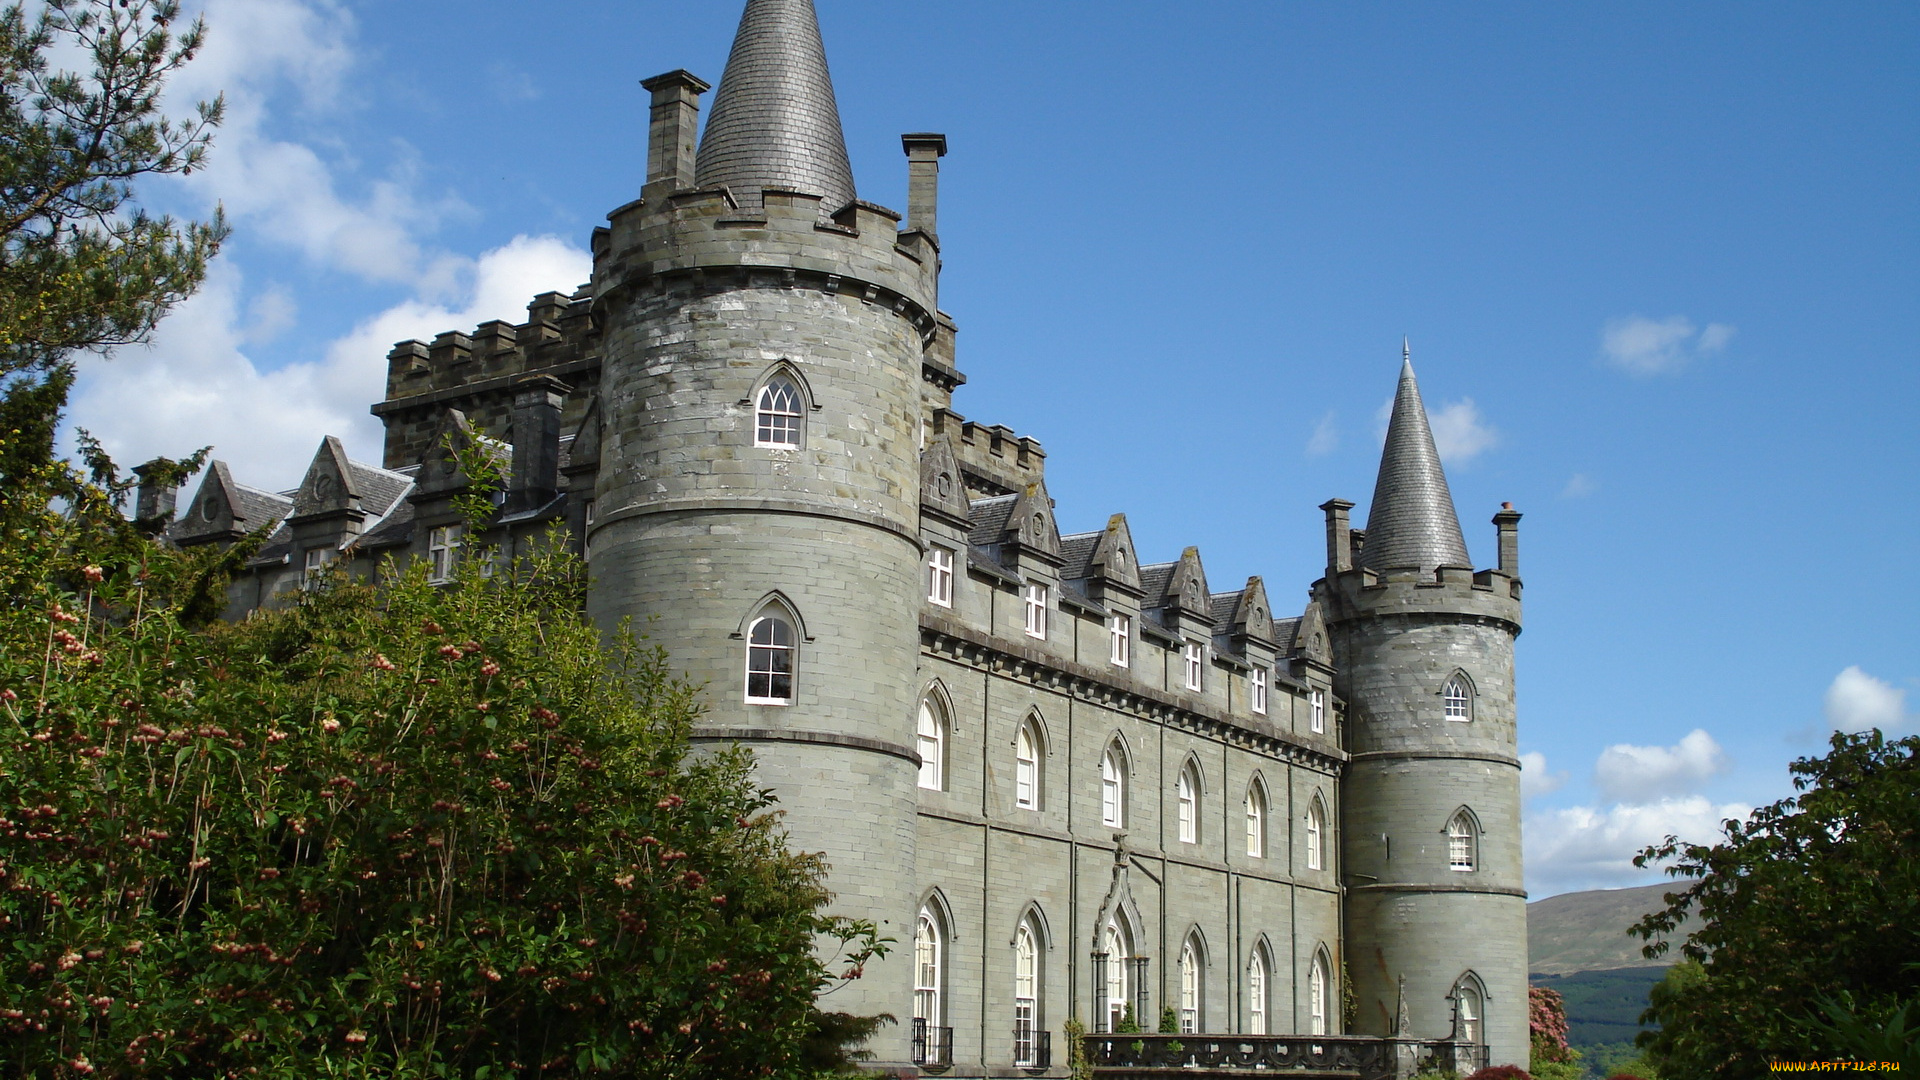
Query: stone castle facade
[{"x": 1067, "y": 780}]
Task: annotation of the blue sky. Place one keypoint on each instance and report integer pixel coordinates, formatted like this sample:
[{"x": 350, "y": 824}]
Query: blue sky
[{"x": 1659, "y": 265}]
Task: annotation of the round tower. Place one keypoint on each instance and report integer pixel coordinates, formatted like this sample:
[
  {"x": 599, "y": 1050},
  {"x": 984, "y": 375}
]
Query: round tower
[
  {"x": 757, "y": 504},
  {"x": 1436, "y": 912}
]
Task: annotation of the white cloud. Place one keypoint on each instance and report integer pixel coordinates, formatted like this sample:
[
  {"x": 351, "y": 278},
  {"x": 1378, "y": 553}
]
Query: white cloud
[
  {"x": 1535, "y": 780},
  {"x": 1626, "y": 773},
  {"x": 198, "y": 384},
  {"x": 1857, "y": 701},
  {"x": 1586, "y": 847},
  {"x": 1642, "y": 346},
  {"x": 1579, "y": 486},
  {"x": 1460, "y": 433},
  {"x": 1325, "y": 438}
]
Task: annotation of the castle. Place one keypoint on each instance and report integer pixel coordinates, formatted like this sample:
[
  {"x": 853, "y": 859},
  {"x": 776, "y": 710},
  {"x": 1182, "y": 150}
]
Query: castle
[{"x": 1069, "y": 782}]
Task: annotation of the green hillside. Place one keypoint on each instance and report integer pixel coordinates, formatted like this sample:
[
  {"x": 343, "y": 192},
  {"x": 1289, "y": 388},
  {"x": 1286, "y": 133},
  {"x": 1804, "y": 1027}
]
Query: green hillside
[
  {"x": 1587, "y": 931},
  {"x": 1603, "y": 1006}
]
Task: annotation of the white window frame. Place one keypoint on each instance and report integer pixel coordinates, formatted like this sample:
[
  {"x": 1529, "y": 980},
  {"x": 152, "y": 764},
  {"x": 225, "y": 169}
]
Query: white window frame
[
  {"x": 932, "y": 746},
  {"x": 1113, "y": 789},
  {"x": 1035, "y": 596},
  {"x": 1189, "y": 989},
  {"x": 940, "y": 575},
  {"x": 926, "y": 971},
  {"x": 1118, "y": 992},
  {"x": 316, "y": 561},
  {"x": 763, "y": 657},
  {"x": 1187, "y": 796},
  {"x": 1120, "y": 650},
  {"x": 1257, "y": 691},
  {"x": 1257, "y": 977},
  {"x": 1256, "y": 822},
  {"x": 1463, "y": 844},
  {"x": 1318, "y": 979},
  {"x": 779, "y": 414},
  {"x": 1195, "y": 655},
  {"x": 443, "y": 553},
  {"x": 1457, "y": 699},
  {"x": 1317, "y": 835},
  {"x": 1466, "y": 1003},
  {"x": 1317, "y": 712},
  {"x": 1026, "y": 994},
  {"x": 1026, "y": 767}
]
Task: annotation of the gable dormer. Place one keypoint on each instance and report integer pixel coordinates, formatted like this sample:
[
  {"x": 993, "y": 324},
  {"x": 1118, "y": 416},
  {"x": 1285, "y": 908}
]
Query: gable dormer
[
  {"x": 441, "y": 475},
  {"x": 943, "y": 492},
  {"x": 1019, "y": 531},
  {"x": 1114, "y": 567},
  {"x": 328, "y": 490},
  {"x": 1185, "y": 607},
  {"x": 1247, "y": 627},
  {"x": 223, "y": 511}
]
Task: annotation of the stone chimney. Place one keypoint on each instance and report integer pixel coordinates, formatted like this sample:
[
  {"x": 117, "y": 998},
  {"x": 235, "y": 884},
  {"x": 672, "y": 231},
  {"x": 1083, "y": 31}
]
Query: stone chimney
[
  {"x": 924, "y": 151},
  {"x": 1339, "y": 536},
  {"x": 537, "y": 402},
  {"x": 153, "y": 500},
  {"x": 1507, "y": 521},
  {"x": 671, "y": 130}
]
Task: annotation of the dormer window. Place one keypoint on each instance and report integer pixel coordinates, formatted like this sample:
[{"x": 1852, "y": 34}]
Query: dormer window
[
  {"x": 316, "y": 564},
  {"x": 1195, "y": 654},
  {"x": 1317, "y": 712},
  {"x": 1035, "y": 597},
  {"x": 777, "y": 415},
  {"x": 1120, "y": 628},
  {"x": 939, "y": 575},
  {"x": 443, "y": 552},
  {"x": 1257, "y": 691}
]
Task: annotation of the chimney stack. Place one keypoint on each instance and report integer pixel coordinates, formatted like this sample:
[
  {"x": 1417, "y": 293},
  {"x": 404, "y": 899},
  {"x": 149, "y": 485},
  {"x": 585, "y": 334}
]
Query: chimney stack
[
  {"x": 1507, "y": 521},
  {"x": 153, "y": 500},
  {"x": 537, "y": 401},
  {"x": 924, "y": 151},
  {"x": 1339, "y": 536},
  {"x": 671, "y": 130}
]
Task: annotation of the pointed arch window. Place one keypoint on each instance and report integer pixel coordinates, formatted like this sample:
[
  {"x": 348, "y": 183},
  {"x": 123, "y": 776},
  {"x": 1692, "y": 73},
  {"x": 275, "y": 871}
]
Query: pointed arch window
[
  {"x": 1117, "y": 981},
  {"x": 929, "y": 1044},
  {"x": 1189, "y": 988},
  {"x": 779, "y": 414},
  {"x": 1113, "y": 789},
  {"x": 933, "y": 744},
  {"x": 1256, "y": 821},
  {"x": 1026, "y": 994},
  {"x": 1187, "y": 794},
  {"x": 1463, "y": 842},
  {"x": 1457, "y": 699},
  {"x": 1469, "y": 1004},
  {"x": 1316, "y": 835},
  {"x": 1028, "y": 747},
  {"x": 1257, "y": 979},
  {"x": 1319, "y": 993},
  {"x": 771, "y": 645}
]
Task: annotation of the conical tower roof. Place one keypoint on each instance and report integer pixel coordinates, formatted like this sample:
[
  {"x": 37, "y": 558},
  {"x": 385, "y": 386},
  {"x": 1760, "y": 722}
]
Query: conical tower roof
[
  {"x": 774, "y": 121},
  {"x": 1412, "y": 522}
]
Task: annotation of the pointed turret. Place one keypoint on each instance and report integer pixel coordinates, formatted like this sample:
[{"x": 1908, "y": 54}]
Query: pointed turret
[
  {"x": 774, "y": 121},
  {"x": 1412, "y": 522}
]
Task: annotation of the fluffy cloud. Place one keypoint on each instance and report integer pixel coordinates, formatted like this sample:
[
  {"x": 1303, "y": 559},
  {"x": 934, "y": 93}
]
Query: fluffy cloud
[
  {"x": 1587, "y": 847},
  {"x": 1325, "y": 438},
  {"x": 1642, "y": 346},
  {"x": 1857, "y": 701},
  {"x": 1631, "y": 774},
  {"x": 200, "y": 383},
  {"x": 1460, "y": 433},
  {"x": 1579, "y": 486},
  {"x": 1535, "y": 780}
]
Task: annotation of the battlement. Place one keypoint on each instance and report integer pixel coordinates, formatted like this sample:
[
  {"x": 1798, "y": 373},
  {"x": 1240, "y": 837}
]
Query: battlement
[
  {"x": 1356, "y": 591},
  {"x": 858, "y": 250},
  {"x": 474, "y": 372},
  {"x": 994, "y": 459}
]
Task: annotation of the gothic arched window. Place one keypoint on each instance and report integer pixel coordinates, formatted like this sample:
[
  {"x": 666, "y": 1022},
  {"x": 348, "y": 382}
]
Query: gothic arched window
[
  {"x": 1187, "y": 794},
  {"x": 933, "y": 743},
  {"x": 1027, "y": 750},
  {"x": 779, "y": 413},
  {"x": 1457, "y": 697},
  {"x": 1463, "y": 842},
  {"x": 928, "y": 1033},
  {"x": 1189, "y": 988},
  {"x": 1469, "y": 1005},
  {"x": 1256, "y": 821},
  {"x": 1026, "y": 994},
  {"x": 1113, "y": 789},
  {"x": 1316, "y": 835},
  {"x": 1257, "y": 978},
  {"x": 1117, "y": 946},
  {"x": 1319, "y": 994},
  {"x": 770, "y": 651}
]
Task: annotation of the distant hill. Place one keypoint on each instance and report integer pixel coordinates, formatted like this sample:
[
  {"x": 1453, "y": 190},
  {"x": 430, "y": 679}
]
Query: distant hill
[
  {"x": 1587, "y": 931},
  {"x": 1603, "y": 1007}
]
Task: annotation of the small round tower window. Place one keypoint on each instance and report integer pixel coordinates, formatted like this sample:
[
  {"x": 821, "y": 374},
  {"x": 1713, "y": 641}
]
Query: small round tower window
[
  {"x": 209, "y": 508},
  {"x": 944, "y": 485}
]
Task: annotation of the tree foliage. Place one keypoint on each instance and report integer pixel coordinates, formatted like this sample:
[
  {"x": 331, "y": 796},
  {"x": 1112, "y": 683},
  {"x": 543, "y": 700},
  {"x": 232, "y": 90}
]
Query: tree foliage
[
  {"x": 1813, "y": 897},
  {"x": 82, "y": 266},
  {"x": 402, "y": 830}
]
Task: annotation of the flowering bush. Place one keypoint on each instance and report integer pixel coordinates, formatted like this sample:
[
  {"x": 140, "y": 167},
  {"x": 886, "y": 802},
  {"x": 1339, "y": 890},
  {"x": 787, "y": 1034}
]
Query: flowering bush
[
  {"x": 402, "y": 830},
  {"x": 1500, "y": 1072}
]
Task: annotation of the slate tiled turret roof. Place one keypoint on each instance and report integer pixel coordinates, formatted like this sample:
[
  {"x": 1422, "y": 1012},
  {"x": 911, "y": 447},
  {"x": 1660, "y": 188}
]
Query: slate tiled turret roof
[
  {"x": 1412, "y": 521},
  {"x": 774, "y": 121}
]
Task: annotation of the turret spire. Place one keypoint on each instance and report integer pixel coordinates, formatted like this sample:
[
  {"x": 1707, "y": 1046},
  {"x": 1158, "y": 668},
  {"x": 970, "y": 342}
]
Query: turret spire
[
  {"x": 774, "y": 121},
  {"x": 1412, "y": 521}
]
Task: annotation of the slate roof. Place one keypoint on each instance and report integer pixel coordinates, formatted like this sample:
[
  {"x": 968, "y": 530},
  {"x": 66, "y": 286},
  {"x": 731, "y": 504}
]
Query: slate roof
[
  {"x": 1154, "y": 581},
  {"x": 774, "y": 121},
  {"x": 990, "y": 518},
  {"x": 1284, "y": 631},
  {"x": 1076, "y": 551},
  {"x": 1224, "y": 605},
  {"x": 379, "y": 488},
  {"x": 394, "y": 530},
  {"x": 258, "y": 507},
  {"x": 1412, "y": 520}
]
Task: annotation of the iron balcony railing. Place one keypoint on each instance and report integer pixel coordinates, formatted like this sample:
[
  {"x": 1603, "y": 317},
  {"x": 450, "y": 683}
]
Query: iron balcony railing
[
  {"x": 1032, "y": 1049},
  {"x": 931, "y": 1045},
  {"x": 1368, "y": 1057}
]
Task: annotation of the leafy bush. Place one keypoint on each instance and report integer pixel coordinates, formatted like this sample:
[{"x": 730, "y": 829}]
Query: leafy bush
[{"x": 1500, "y": 1072}]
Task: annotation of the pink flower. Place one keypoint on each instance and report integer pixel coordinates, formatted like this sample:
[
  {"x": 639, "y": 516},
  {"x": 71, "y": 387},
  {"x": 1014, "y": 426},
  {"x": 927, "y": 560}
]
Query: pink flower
[
  {"x": 329, "y": 725},
  {"x": 8, "y": 695},
  {"x": 94, "y": 574},
  {"x": 356, "y": 1037},
  {"x": 489, "y": 669},
  {"x": 671, "y": 802},
  {"x": 381, "y": 663}
]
